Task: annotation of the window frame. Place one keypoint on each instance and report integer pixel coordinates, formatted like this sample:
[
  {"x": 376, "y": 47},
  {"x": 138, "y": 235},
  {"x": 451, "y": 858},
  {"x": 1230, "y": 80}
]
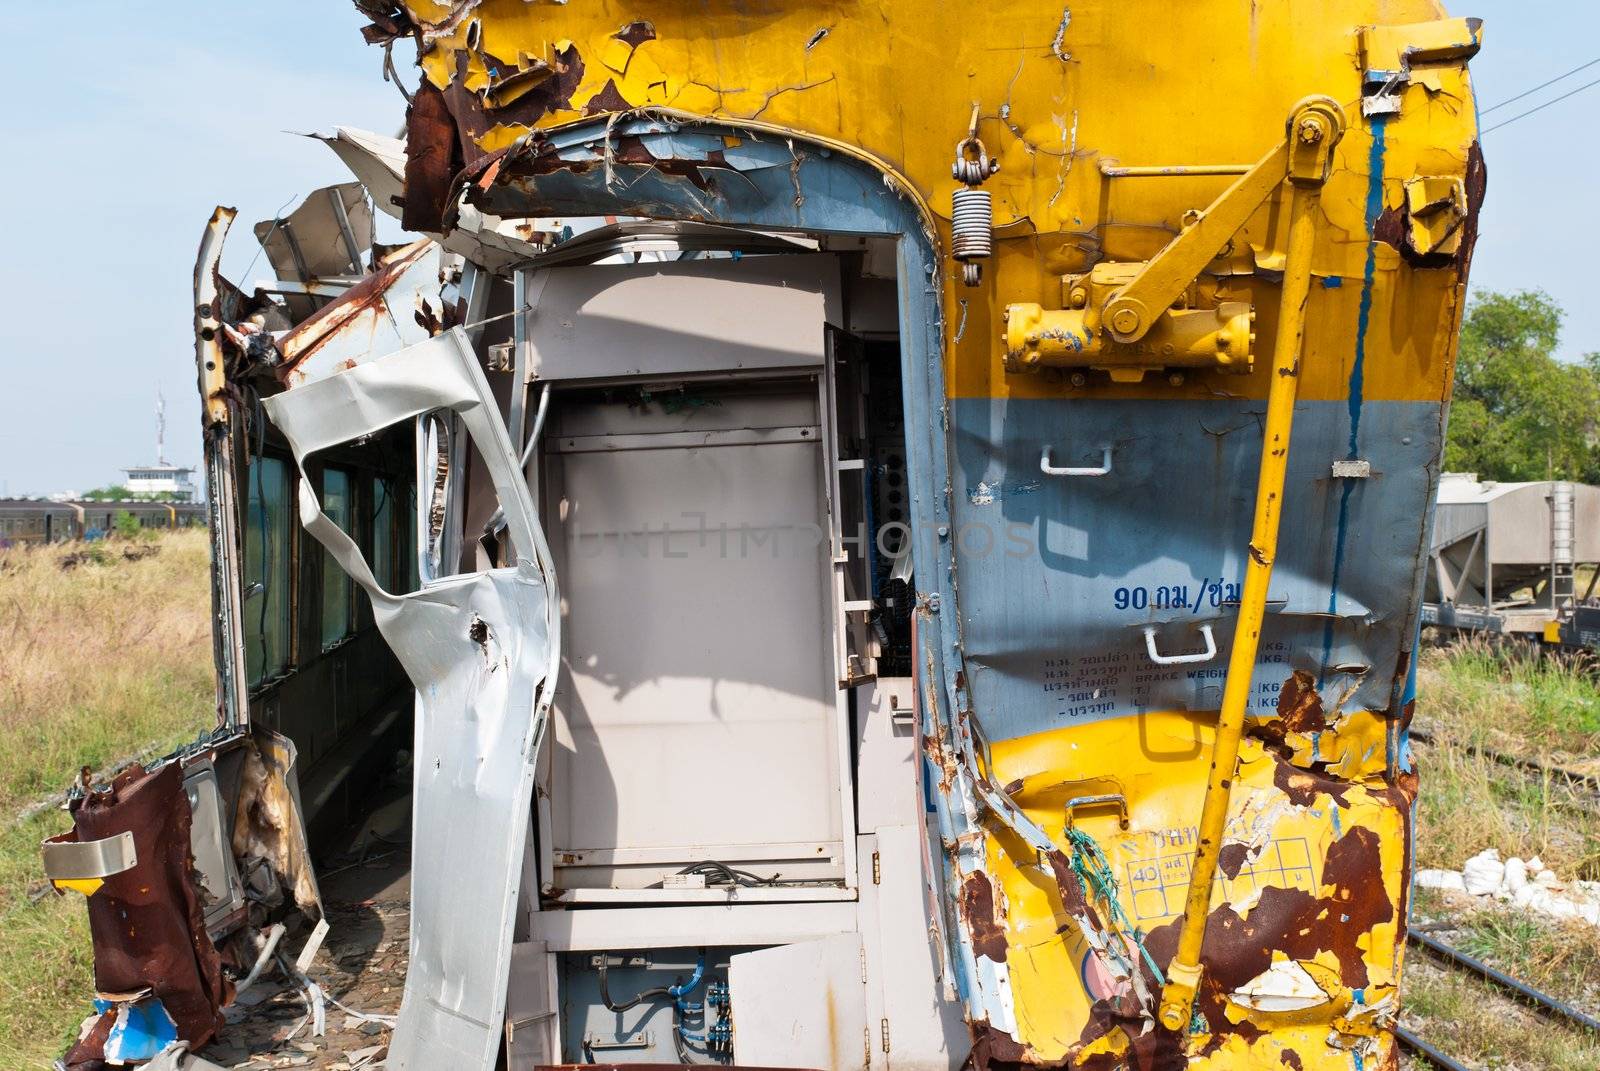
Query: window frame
[
  {"x": 269, "y": 655},
  {"x": 336, "y": 602}
]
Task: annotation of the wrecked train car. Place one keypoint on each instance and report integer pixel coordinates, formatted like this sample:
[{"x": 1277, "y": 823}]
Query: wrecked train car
[{"x": 878, "y": 555}]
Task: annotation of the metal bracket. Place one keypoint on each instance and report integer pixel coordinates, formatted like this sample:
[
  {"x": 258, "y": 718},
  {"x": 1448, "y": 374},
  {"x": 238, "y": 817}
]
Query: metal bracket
[
  {"x": 1180, "y": 659},
  {"x": 1052, "y": 470},
  {"x": 82, "y": 860},
  {"x": 644, "y": 1039}
]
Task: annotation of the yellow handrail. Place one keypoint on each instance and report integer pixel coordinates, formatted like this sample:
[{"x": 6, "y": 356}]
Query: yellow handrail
[{"x": 1315, "y": 126}]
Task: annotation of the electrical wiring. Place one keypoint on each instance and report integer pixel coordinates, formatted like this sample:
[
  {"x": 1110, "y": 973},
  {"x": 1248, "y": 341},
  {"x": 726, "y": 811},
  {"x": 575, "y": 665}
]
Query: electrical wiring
[
  {"x": 717, "y": 873},
  {"x": 1542, "y": 107},
  {"x": 1535, "y": 89},
  {"x": 721, "y": 874},
  {"x": 646, "y": 994}
]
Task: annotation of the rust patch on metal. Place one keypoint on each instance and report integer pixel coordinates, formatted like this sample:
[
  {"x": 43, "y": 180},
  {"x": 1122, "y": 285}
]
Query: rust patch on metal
[
  {"x": 1237, "y": 949},
  {"x": 1392, "y": 227},
  {"x": 1231, "y": 859},
  {"x": 146, "y": 923},
  {"x": 1299, "y": 704},
  {"x": 433, "y": 156},
  {"x": 390, "y": 22},
  {"x": 995, "y": 1050},
  {"x": 636, "y": 33},
  {"x": 1303, "y": 784},
  {"x": 608, "y": 99},
  {"x": 1291, "y": 1059},
  {"x": 1353, "y": 868},
  {"x": 363, "y": 299},
  {"x": 1072, "y": 897},
  {"x": 1153, "y": 1050},
  {"x": 1477, "y": 182},
  {"x": 474, "y": 117},
  {"x": 978, "y": 911}
]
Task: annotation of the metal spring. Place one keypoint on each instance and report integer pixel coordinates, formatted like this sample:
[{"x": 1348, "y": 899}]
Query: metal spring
[
  {"x": 971, "y": 229},
  {"x": 971, "y": 224}
]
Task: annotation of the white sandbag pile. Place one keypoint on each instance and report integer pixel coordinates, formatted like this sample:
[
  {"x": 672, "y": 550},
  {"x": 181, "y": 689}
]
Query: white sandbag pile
[{"x": 1526, "y": 884}]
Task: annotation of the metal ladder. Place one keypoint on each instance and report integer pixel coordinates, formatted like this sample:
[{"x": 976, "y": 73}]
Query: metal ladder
[{"x": 1563, "y": 582}]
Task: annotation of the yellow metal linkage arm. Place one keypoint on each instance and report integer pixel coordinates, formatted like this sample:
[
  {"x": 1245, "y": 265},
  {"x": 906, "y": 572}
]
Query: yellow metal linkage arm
[{"x": 1315, "y": 126}]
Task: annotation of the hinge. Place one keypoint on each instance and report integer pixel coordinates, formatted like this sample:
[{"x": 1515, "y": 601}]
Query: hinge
[
  {"x": 866, "y": 1045},
  {"x": 885, "y": 1028},
  {"x": 863, "y": 952},
  {"x": 877, "y": 869}
]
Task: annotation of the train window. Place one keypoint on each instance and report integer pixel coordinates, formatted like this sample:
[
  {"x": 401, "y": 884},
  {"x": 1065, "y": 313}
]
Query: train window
[
  {"x": 266, "y": 569},
  {"x": 338, "y": 603},
  {"x": 408, "y": 538},
  {"x": 383, "y": 514}
]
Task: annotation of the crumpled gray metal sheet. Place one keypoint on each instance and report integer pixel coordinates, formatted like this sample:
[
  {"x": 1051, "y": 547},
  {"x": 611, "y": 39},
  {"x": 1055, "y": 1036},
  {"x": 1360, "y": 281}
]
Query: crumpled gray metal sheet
[{"x": 482, "y": 650}]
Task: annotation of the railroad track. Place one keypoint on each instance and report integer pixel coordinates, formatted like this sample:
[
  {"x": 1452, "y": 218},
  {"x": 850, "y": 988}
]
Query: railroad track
[
  {"x": 1516, "y": 762},
  {"x": 1543, "y": 1003}
]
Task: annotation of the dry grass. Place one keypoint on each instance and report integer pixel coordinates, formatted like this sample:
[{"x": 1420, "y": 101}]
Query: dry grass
[
  {"x": 1512, "y": 696},
  {"x": 1469, "y": 1020},
  {"x": 99, "y": 661},
  {"x": 1474, "y": 696}
]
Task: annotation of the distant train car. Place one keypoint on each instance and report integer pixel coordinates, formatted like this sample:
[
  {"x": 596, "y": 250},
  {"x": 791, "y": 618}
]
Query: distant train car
[
  {"x": 38, "y": 520},
  {"x": 101, "y": 516}
]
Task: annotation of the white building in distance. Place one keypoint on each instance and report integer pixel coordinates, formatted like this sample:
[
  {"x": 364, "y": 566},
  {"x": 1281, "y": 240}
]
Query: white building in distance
[{"x": 162, "y": 478}]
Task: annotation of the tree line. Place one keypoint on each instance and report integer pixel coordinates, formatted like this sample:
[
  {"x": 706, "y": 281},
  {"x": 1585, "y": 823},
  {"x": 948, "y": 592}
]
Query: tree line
[{"x": 1519, "y": 412}]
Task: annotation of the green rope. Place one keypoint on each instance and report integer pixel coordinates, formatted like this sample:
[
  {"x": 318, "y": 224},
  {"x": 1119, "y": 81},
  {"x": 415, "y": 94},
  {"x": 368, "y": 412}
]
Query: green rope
[{"x": 1089, "y": 862}]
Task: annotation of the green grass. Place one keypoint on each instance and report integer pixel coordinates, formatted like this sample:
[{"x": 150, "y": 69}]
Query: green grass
[
  {"x": 1512, "y": 693},
  {"x": 1473, "y": 696},
  {"x": 1476, "y": 696},
  {"x": 99, "y": 661}
]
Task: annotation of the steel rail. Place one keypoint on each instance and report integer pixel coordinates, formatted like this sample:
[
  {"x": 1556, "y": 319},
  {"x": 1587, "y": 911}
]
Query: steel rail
[
  {"x": 1455, "y": 957},
  {"x": 1505, "y": 981},
  {"x": 1516, "y": 762},
  {"x": 1427, "y": 1051}
]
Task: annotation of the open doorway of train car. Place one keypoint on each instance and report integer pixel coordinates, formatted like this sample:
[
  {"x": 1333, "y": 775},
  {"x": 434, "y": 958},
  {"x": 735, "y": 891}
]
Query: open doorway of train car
[
  {"x": 716, "y": 444},
  {"x": 710, "y": 428},
  {"x": 720, "y": 443}
]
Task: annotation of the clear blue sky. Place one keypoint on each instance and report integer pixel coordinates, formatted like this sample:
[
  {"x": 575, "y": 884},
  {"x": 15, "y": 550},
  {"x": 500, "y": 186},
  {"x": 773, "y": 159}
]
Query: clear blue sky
[{"x": 123, "y": 128}]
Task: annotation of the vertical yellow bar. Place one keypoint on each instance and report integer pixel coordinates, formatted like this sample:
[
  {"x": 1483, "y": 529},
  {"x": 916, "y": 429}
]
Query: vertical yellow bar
[{"x": 1312, "y": 132}]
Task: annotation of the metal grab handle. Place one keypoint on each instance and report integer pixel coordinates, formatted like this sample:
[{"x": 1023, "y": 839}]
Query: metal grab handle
[
  {"x": 1179, "y": 659},
  {"x": 1051, "y": 470},
  {"x": 1117, "y": 798}
]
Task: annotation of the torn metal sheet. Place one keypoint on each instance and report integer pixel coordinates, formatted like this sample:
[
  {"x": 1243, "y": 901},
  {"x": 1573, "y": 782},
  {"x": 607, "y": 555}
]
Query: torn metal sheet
[
  {"x": 325, "y": 240},
  {"x": 482, "y": 651},
  {"x": 380, "y": 163},
  {"x": 268, "y": 822},
  {"x": 146, "y": 919},
  {"x": 390, "y": 309}
]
